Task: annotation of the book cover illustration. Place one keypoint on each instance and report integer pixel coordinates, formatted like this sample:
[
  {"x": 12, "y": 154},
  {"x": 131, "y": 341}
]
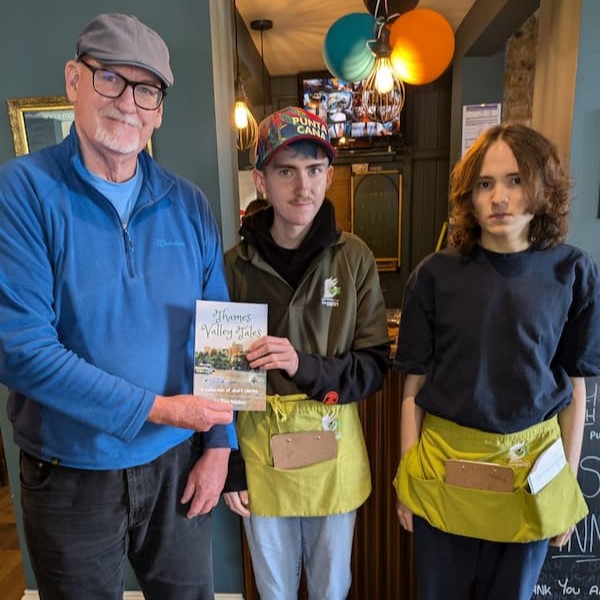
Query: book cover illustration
[{"x": 224, "y": 331}]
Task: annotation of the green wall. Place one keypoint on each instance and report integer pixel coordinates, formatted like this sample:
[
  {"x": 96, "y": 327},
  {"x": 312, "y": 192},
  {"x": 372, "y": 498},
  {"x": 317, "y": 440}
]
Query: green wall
[
  {"x": 37, "y": 38},
  {"x": 483, "y": 79},
  {"x": 585, "y": 135}
]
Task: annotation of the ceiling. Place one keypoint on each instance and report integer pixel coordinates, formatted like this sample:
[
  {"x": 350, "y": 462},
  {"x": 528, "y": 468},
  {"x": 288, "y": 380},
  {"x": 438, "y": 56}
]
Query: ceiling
[{"x": 295, "y": 42}]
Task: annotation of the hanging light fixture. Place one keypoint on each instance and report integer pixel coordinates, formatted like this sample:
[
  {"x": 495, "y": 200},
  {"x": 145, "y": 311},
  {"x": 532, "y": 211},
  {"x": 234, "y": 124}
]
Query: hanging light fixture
[
  {"x": 245, "y": 124},
  {"x": 262, "y": 25},
  {"x": 383, "y": 90}
]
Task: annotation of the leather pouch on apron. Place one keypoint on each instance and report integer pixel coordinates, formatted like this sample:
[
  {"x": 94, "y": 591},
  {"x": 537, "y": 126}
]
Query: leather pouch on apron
[{"x": 302, "y": 448}]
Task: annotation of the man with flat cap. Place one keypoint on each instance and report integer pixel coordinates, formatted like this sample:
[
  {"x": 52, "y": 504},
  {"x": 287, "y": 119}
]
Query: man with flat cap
[{"x": 103, "y": 256}]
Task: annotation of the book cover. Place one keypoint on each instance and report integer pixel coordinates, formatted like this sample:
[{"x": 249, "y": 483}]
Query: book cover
[{"x": 224, "y": 331}]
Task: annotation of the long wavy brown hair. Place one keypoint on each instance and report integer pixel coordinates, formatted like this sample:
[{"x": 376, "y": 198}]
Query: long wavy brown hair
[{"x": 544, "y": 179}]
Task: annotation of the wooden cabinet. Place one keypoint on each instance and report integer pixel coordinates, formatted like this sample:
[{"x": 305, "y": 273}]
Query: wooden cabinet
[
  {"x": 340, "y": 193},
  {"x": 369, "y": 204},
  {"x": 376, "y": 212}
]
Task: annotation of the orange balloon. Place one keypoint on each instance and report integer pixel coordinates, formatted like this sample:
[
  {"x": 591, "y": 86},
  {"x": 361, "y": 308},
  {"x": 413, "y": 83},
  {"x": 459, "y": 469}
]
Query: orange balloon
[{"x": 422, "y": 43}]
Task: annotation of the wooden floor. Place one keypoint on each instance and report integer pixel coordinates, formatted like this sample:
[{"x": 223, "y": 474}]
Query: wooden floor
[{"x": 12, "y": 578}]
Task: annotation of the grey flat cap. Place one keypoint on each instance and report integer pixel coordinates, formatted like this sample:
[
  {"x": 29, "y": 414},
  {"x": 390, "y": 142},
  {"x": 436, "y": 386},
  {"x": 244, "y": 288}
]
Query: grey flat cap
[{"x": 114, "y": 38}]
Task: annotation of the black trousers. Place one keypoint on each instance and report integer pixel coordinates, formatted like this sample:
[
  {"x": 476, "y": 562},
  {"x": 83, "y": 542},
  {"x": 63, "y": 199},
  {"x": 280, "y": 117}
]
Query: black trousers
[
  {"x": 453, "y": 567},
  {"x": 80, "y": 525}
]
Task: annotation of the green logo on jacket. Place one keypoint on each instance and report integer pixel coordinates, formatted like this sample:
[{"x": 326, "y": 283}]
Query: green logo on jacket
[{"x": 331, "y": 292}]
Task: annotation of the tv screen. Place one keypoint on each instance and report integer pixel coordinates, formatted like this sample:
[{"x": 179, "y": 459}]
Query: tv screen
[{"x": 339, "y": 103}]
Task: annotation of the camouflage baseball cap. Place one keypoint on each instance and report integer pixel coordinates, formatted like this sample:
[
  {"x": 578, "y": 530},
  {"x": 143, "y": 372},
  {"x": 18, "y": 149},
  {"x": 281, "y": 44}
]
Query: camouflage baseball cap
[{"x": 289, "y": 125}]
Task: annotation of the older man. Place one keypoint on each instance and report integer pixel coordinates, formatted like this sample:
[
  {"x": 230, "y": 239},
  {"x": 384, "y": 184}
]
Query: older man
[{"x": 103, "y": 255}]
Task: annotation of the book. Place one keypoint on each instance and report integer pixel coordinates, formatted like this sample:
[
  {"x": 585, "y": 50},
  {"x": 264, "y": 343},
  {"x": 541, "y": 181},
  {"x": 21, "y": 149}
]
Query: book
[{"x": 223, "y": 332}]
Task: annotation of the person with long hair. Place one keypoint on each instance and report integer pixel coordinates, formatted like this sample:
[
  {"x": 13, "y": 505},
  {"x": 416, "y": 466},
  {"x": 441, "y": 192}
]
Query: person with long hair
[{"x": 497, "y": 334}]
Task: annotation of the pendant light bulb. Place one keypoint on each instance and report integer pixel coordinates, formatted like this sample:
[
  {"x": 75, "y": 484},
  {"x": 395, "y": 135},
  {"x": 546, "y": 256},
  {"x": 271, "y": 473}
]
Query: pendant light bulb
[
  {"x": 241, "y": 114},
  {"x": 246, "y": 127},
  {"x": 383, "y": 90},
  {"x": 384, "y": 78}
]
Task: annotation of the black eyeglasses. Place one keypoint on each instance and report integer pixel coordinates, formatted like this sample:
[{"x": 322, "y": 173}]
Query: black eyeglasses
[{"x": 112, "y": 85}]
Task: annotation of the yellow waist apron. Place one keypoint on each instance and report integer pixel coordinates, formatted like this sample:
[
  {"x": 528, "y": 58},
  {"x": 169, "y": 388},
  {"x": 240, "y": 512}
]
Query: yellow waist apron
[
  {"x": 330, "y": 487},
  {"x": 516, "y": 516}
]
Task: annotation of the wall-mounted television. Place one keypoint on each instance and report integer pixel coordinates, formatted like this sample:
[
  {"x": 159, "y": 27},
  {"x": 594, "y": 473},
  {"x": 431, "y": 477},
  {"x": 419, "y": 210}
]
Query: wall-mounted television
[{"x": 339, "y": 103}]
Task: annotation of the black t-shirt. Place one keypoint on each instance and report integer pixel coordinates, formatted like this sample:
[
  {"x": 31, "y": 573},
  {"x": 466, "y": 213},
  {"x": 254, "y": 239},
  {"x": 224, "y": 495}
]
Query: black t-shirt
[{"x": 499, "y": 335}]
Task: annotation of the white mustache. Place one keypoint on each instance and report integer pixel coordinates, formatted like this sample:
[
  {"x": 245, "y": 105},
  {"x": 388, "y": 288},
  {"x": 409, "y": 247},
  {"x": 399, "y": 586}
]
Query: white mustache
[{"x": 116, "y": 114}]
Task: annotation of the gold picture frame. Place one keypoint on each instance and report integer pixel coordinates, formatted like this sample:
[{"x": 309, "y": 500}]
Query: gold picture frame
[{"x": 40, "y": 121}]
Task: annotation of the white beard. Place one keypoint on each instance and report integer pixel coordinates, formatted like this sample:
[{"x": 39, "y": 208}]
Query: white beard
[
  {"x": 122, "y": 142},
  {"x": 116, "y": 143}
]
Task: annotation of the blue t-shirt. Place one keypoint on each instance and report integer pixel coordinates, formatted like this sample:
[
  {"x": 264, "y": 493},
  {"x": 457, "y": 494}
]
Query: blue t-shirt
[{"x": 121, "y": 195}]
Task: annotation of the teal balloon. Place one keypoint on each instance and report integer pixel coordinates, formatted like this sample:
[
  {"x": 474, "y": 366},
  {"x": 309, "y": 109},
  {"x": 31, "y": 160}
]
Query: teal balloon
[{"x": 345, "y": 50}]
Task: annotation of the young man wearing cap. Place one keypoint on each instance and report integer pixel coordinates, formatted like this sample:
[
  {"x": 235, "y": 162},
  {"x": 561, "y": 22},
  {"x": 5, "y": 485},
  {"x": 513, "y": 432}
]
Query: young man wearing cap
[
  {"x": 103, "y": 255},
  {"x": 327, "y": 348}
]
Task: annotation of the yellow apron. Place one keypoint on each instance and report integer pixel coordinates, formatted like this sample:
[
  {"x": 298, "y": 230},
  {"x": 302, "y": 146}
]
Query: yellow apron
[
  {"x": 516, "y": 516},
  {"x": 330, "y": 487}
]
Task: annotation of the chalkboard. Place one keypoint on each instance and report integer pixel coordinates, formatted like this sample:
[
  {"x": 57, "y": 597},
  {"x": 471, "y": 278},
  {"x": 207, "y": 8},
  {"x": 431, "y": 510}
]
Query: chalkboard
[{"x": 573, "y": 571}]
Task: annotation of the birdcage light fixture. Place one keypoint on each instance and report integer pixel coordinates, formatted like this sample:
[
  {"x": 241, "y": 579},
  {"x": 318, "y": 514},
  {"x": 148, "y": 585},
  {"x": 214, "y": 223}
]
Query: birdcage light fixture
[{"x": 383, "y": 91}]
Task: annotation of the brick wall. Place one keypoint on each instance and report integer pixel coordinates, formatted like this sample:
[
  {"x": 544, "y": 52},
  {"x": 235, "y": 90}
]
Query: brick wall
[{"x": 519, "y": 74}]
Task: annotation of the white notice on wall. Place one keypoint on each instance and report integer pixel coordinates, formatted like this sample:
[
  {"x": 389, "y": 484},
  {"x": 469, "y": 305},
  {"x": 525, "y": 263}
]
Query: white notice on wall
[{"x": 476, "y": 119}]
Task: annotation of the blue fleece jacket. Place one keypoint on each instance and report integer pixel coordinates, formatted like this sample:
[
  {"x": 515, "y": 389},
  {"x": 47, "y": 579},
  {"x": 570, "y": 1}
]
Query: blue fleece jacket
[{"x": 95, "y": 320}]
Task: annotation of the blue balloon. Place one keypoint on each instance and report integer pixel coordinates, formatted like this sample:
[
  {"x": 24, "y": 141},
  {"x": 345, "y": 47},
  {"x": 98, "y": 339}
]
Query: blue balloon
[{"x": 345, "y": 49}]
